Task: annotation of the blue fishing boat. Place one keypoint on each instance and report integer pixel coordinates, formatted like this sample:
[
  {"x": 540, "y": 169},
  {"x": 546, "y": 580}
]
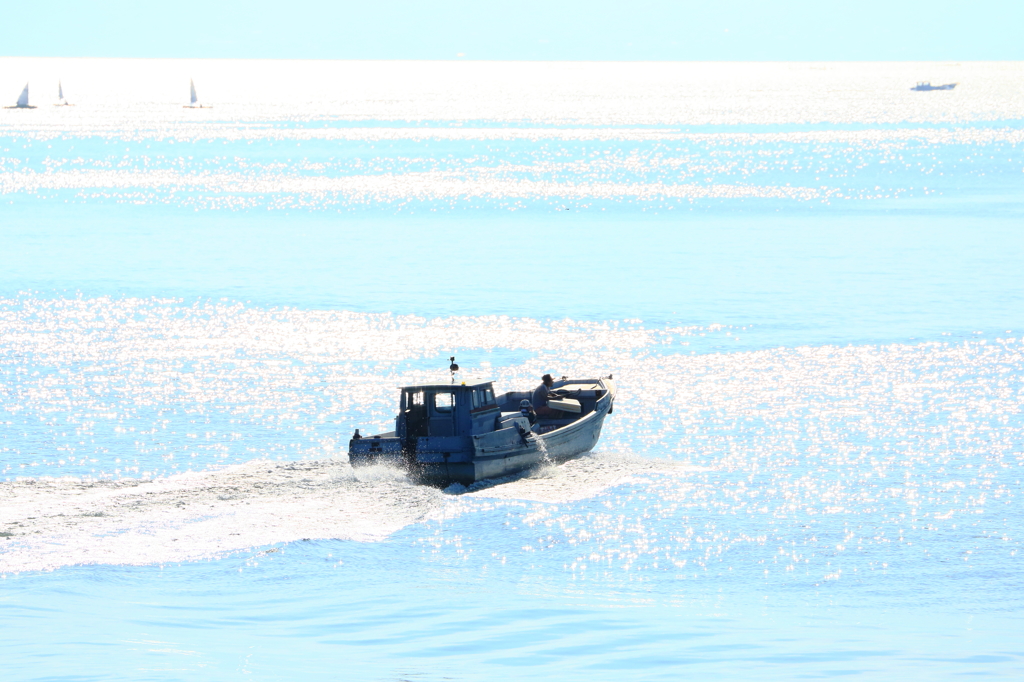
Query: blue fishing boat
[
  {"x": 463, "y": 432},
  {"x": 925, "y": 86}
]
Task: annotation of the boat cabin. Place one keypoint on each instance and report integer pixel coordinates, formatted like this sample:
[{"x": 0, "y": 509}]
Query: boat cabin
[{"x": 446, "y": 410}]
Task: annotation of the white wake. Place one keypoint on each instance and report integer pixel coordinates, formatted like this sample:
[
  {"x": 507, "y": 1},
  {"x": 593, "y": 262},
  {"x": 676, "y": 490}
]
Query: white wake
[{"x": 49, "y": 523}]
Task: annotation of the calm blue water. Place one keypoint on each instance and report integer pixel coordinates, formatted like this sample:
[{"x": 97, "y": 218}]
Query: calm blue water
[{"x": 805, "y": 278}]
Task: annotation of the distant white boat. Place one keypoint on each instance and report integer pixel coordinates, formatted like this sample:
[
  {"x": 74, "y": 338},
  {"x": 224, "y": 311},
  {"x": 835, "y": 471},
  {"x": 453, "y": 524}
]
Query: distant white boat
[
  {"x": 22, "y": 101},
  {"x": 194, "y": 103},
  {"x": 925, "y": 86},
  {"x": 61, "y": 102}
]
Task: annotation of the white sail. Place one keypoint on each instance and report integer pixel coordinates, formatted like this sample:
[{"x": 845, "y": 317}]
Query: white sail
[
  {"x": 23, "y": 100},
  {"x": 192, "y": 86},
  {"x": 60, "y": 91}
]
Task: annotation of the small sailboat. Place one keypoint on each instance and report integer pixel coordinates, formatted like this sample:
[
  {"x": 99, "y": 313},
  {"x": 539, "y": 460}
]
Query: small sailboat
[
  {"x": 194, "y": 99},
  {"x": 61, "y": 101},
  {"x": 22, "y": 101}
]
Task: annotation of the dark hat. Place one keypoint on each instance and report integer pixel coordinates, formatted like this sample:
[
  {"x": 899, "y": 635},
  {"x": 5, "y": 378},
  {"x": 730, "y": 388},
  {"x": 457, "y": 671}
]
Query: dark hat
[{"x": 546, "y": 377}]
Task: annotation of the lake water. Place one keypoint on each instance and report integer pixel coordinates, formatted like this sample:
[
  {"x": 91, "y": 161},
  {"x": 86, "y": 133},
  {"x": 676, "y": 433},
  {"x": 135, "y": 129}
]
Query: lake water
[{"x": 806, "y": 279}]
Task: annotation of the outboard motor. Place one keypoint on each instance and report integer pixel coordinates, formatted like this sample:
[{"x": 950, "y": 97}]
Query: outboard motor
[
  {"x": 526, "y": 409},
  {"x": 524, "y": 434}
]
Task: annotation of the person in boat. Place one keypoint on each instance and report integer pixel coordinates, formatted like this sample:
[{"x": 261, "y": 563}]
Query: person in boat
[
  {"x": 526, "y": 409},
  {"x": 541, "y": 396}
]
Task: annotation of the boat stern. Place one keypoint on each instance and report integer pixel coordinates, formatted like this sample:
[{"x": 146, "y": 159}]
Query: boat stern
[{"x": 380, "y": 449}]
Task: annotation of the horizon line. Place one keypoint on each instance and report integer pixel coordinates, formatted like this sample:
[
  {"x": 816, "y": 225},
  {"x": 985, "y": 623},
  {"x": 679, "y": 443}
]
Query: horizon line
[{"x": 568, "y": 61}]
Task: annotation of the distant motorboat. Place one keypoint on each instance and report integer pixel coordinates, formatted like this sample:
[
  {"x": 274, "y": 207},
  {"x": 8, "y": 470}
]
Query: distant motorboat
[
  {"x": 925, "y": 86},
  {"x": 61, "y": 101},
  {"x": 22, "y": 101},
  {"x": 194, "y": 103}
]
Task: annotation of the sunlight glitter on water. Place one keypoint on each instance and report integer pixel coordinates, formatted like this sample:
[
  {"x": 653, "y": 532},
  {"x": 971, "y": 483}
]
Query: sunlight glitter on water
[
  {"x": 589, "y": 136},
  {"x": 338, "y": 168},
  {"x": 810, "y": 451},
  {"x": 144, "y": 386}
]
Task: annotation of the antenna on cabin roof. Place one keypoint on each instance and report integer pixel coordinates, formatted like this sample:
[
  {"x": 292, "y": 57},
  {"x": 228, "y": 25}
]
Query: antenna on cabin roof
[{"x": 453, "y": 368}]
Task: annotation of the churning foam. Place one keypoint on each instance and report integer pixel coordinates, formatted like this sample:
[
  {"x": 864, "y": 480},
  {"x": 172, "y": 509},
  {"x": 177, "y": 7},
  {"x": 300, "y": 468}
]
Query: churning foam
[{"x": 50, "y": 523}]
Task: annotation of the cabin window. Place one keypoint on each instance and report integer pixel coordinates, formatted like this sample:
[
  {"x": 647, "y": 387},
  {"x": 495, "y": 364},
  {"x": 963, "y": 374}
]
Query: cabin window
[
  {"x": 479, "y": 397},
  {"x": 416, "y": 398},
  {"x": 444, "y": 402},
  {"x": 482, "y": 397}
]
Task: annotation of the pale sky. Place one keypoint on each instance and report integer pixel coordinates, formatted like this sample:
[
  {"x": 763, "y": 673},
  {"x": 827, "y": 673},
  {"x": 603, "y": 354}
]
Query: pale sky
[{"x": 729, "y": 30}]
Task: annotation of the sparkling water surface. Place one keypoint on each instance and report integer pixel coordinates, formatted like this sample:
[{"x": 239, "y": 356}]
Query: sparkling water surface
[{"x": 804, "y": 277}]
